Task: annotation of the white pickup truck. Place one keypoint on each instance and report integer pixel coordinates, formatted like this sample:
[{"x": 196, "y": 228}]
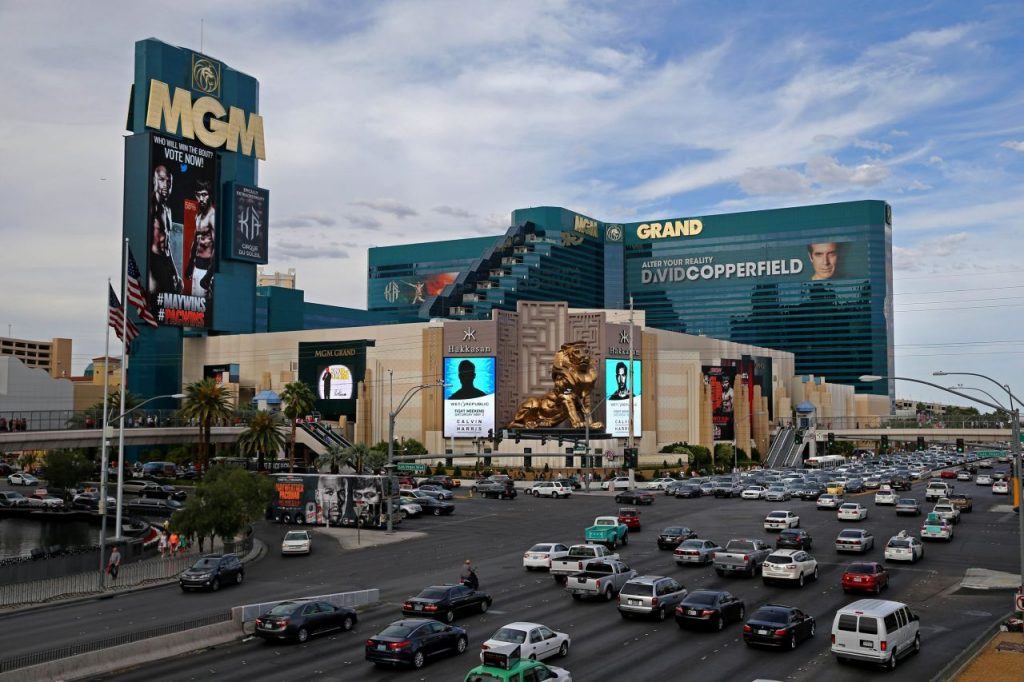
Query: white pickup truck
[
  {"x": 601, "y": 579},
  {"x": 579, "y": 559}
]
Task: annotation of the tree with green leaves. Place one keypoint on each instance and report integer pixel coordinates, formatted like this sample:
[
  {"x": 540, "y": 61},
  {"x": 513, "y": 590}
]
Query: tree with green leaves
[
  {"x": 338, "y": 455},
  {"x": 263, "y": 436},
  {"x": 207, "y": 402},
  {"x": 298, "y": 401},
  {"x": 225, "y": 502},
  {"x": 67, "y": 468}
]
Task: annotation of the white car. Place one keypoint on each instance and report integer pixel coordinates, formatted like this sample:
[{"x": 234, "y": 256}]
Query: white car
[
  {"x": 778, "y": 520},
  {"x": 851, "y": 511},
  {"x": 827, "y": 501},
  {"x": 791, "y": 565},
  {"x": 963, "y": 475},
  {"x": 551, "y": 489},
  {"x": 1001, "y": 488},
  {"x": 296, "y": 542},
  {"x": 904, "y": 547},
  {"x": 658, "y": 483},
  {"x": 982, "y": 479},
  {"x": 534, "y": 641},
  {"x": 753, "y": 492},
  {"x": 408, "y": 509},
  {"x": 542, "y": 554},
  {"x": 22, "y": 479},
  {"x": 947, "y": 511},
  {"x": 617, "y": 483},
  {"x": 885, "y": 496}
]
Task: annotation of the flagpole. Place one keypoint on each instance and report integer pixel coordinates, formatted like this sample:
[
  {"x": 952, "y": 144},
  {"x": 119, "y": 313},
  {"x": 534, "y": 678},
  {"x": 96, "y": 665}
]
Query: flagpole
[
  {"x": 120, "y": 421},
  {"x": 103, "y": 446}
]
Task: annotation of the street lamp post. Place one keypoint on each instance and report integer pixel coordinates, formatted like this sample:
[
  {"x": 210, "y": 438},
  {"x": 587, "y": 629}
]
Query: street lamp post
[
  {"x": 392, "y": 416},
  {"x": 1015, "y": 444},
  {"x": 120, "y": 478}
]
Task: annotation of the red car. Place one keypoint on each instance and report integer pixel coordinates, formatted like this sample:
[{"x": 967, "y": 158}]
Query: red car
[
  {"x": 947, "y": 473},
  {"x": 867, "y": 576},
  {"x": 630, "y": 518}
]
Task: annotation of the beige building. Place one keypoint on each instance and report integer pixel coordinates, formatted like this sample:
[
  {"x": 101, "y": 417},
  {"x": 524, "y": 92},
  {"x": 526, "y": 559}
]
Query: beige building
[
  {"x": 88, "y": 388},
  {"x": 53, "y": 356},
  {"x": 676, "y": 402},
  {"x": 285, "y": 280}
]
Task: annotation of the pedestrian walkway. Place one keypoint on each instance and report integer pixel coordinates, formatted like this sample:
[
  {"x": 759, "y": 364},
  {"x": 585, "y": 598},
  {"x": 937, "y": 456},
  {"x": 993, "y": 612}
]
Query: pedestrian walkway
[{"x": 350, "y": 538}]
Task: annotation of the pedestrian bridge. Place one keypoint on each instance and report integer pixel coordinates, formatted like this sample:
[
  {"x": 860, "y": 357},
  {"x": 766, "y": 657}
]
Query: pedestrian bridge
[
  {"x": 92, "y": 438},
  {"x": 970, "y": 435}
]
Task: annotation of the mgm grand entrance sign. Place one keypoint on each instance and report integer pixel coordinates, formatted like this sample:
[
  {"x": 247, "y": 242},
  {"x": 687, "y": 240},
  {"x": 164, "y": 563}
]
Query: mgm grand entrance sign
[{"x": 567, "y": 404}]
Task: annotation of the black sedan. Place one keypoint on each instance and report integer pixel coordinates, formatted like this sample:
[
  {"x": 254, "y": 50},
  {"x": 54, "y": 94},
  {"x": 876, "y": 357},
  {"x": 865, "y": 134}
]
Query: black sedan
[
  {"x": 430, "y": 505},
  {"x": 145, "y": 506},
  {"x": 211, "y": 572},
  {"x": 688, "y": 490},
  {"x": 299, "y": 620},
  {"x": 793, "y": 538},
  {"x": 778, "y": 626},
  {"x": 635, "y": 497},
  {"x": 156, "y": 491},
  {"x": 446, "y": 601},
  {"x": 810, "y": 492},
  {"x": 414, "y": 641},
  {"x": 710, "y": 608},
  {"x": 671, "y": 537}
]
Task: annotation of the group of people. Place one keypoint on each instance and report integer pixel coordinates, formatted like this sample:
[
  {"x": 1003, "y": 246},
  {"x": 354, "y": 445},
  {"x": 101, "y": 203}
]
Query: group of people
[
  {"x": 13, "y": 424},
  {"x": 170, "y": 544}
]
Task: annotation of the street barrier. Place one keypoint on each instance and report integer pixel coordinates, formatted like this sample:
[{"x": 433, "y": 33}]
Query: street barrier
[{"x": 250, "y": 612}]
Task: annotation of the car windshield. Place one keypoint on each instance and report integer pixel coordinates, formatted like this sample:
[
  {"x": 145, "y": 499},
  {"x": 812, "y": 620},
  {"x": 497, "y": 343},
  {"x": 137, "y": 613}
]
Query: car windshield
[
  {"x": 401, "y": 630},
  {"x": 780, "y": 559},
  {"x": 541, "y": 548},
  {"x": 860, "y": 568},
  {"x": 790, "y": 533},
  {"x": 899, "y": 543},
  {"x": 604, "y": 522},
  {"x": 284, "y": 609},
  {"x": 581, "y": 551},
  {"x": 849, "y": 507},
  {"x": 433, "y": 593},
  {"x": 510, "y": 635},
  {"x": 206, "y": 562},
  {"x": 674, "y": 530},
  {"x": 771, "y": 615},
  {"x": 296, "y": 535},
  {"x": 849, "y": 534},
  {"x": 702, "y": 598},
  {"x": 641, "y": 589},
  {"x": 692, "y": 544},
  {"x": 908, "y": 502},
  {"x": 777, "y": 515}
]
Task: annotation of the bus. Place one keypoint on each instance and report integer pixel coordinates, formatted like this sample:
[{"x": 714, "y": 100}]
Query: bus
[
  {"x": 825, "y": 462},
  {"x": 332, "y": 499}
]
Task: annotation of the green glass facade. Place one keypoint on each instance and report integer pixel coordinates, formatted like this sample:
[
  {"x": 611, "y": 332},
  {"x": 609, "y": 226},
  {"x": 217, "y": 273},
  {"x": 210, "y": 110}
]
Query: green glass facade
[{"x": 812, "y": 280}]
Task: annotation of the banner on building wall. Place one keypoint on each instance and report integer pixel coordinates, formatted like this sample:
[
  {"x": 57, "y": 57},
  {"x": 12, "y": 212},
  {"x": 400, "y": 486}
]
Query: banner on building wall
[
  {"x": 248, "y": 234},
  {"x": 758, "y": 369},
  {"x": 469, "y": 396},
  {"x": 619, "y": 376},
  {"x": 222, "y": 374},
  {"x": 333, "y": 370},
  {"x": 722, "y": 381}
]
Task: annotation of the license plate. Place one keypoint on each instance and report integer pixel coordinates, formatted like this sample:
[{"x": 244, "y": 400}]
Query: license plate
[
  {"x": 691, "y": 612},
  {"x": 858, "y": 580},
  {"x": 581, "y": 580},
  {"x": 867, "y": 644},
  {"x": 418, "y": 607},
  {"x": 634, "y": 602},
  {"x": 762, "y": 632},
  {"x": 382, "y": 647}
]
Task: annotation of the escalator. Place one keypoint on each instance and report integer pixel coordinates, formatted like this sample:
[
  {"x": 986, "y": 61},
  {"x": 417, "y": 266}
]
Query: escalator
[{"x": 319, "y": 437}]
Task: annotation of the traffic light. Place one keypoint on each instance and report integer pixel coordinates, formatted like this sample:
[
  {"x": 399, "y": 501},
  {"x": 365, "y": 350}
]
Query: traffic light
[
  {"x": 629, "y": 458},
  {"x": 527, "y": 462},
  {"x": 885, "y": 445},
  {"x": 515, "y": 434},
  {"x": 920, "y": 442},
  {"x": 831, "y": 439},
  {"x": 490, "y": 434},
  {"x": 960, "y": 445},
  {"x": 448, "y": 462}
]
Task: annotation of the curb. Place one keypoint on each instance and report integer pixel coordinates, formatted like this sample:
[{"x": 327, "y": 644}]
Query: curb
[{"x": 970, "y": 652}]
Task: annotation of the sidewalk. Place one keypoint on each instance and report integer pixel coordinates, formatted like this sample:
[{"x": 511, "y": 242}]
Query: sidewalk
[
  {"x": 1002, "y": 660},
  {"x": 350, "y": 538}
]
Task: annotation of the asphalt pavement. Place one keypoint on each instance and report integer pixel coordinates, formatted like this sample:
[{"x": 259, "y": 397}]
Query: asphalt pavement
[{"x": 494, "y": 534}]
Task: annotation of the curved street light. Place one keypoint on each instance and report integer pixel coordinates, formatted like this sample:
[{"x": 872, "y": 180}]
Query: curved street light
[{"x": 392, "y": 416}]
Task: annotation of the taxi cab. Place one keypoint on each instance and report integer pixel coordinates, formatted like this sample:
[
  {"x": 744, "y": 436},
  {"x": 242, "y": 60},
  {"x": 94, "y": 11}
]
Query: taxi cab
[
  {"x": 835, "y": 488},
  {"x": 503, "y": 664},
  {"x": 936, "y": 527},
  {"x": 630, "y": 518}
]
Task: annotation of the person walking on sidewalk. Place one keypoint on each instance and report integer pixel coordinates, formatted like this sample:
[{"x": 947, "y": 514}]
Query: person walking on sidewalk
[
  {"x": 162, "y": 545},
  {"x": 114, "y": 563}
]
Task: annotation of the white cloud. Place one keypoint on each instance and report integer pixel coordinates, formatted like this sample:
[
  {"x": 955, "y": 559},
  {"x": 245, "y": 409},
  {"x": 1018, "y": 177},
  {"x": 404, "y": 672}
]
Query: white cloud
[
  {"x": 825, "y": 170},
  {"x": 1015, "y": 145},
  {"x": 305, "y": 250},
  {"x": 883, "y": 147},
  {"x": 896, "y": 132},
  {"x": 304, "y": 220},
  {"x": 774, "y": 181},
  {"x": 389, "y": 206},
  {"x": 916, "y": 186},
  {"x": 453, "y": 211}
]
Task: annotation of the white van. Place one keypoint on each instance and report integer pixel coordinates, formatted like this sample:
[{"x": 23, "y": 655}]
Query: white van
[{"x": 876, "y": 631}]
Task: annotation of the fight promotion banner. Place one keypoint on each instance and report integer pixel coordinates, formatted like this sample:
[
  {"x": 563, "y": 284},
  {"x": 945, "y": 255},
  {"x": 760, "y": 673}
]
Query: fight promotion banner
[
  {"x": 333, "y": 371},
  {"x": 343, "y": 500},
  {"x": 248, "y": 234},
  {"x": 618, "y": 377},
  {"x": 385, "y": 292},
  {"x": 468, "y": 397},
  {"x": 182, "y": 232},
  {"x": 828, "y": 260},
  {"x": 222, "y": 374},
  {"x": 722, "y": 381}
]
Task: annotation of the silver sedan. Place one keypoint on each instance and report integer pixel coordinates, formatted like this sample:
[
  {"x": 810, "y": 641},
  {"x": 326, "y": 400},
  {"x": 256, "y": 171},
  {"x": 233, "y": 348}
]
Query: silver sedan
[{"x": 696, "y": 551}]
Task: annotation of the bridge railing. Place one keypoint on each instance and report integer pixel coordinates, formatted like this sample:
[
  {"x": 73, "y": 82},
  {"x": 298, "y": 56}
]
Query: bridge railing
[
  {"x": 64, "y": 420},
  {"x": 911, "y": 423}
]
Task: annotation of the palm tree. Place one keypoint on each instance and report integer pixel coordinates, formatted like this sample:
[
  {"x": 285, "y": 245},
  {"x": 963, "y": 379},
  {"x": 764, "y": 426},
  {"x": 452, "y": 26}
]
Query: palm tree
[
  {"x": 335, "y": 457},
  {"x": 263, "y": 436},
  {"x": 206, "y": 401},
  {"x": 298, "y": 401}
]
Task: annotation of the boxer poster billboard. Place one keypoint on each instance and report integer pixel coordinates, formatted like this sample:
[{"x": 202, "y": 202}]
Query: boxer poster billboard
[
  {"x": 182, "y": 232},
  {"x": 333, "y": 371},
  {"x": 248, "y": 235},
  {"x": 468, "y": 396},
  {"x": 618, "y": 377},
  {"x": 722, "y": 381}
]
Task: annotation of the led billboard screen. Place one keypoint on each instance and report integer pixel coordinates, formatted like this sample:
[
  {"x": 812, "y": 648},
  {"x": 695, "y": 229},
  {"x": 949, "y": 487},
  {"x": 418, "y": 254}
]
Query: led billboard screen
[
  {"x": 722, "y": 381},
  {"x": 468, "y": 396},
  {"x": 618, "y": 377},
  {"x": 333, "y": 370},
  {"x": 182, "y": 232}
]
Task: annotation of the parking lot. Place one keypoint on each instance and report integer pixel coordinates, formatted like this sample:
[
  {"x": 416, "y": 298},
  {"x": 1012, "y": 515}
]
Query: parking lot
[{"x": 495, "y": 533}]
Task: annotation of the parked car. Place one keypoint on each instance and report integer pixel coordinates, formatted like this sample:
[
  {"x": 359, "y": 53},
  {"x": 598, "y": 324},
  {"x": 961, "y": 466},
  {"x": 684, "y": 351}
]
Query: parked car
[
  {"x": 12, "y": 499},
  {"x": 904, "y": 547},
  {"x": 91, "y": 502},
  {"x": 696, "y": 551},
  {"x": 442, "y": 480},
  {"x": 21, "y": 478},
  {"x": 429, "y": 504},
  {"x": 436, "y": 491},
  {"x": 552, "y": 489},
  {"x": 673, "y": 536},
  {"x": 535, "y": 641},
  {"x": 793, "y": 538},
  {"x": 211, "y": 572},
  {"x": 297, "y": 542},
  {"x": 409, "y": 509},
  {"x": 414, "y": 641},
  {"x": 778, "y": 626},
  {"x": 542, "y": 554},
  {"x": 867, "y": 576},
  {"x": 617, "y": 483},
  {"x": 650, "y": 595},
  {"x": 635, "y": 497},
  {"x": 148, "y": 507},
  {"x": 875, "y": 631},
  {"x": 789, "y": 565},
  {"x": 301, "y": 619},
  {"x": 658, "y": 483},
  {"x": 445, "y": 602},
  {"x": 502, "y": 490},
  {"x": 710, "y": 608}
]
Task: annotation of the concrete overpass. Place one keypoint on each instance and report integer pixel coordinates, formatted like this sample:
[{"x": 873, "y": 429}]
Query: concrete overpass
[
  {"x": 910, "y": 434},
  {"x": 91, "y": 438}
]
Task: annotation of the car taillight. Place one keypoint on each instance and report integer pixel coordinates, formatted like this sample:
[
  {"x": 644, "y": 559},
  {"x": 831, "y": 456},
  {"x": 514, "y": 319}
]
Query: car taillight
[
  {"x": 395, "y": 646},
  {"x": 679, "y": 610},
  {"x": 707, "y": 612},
  {"x": 430, "y": 607},
  {"x": 618, "y": 599},
  {"x": 714, "y": 555},
  {"x": 484, "y": 647},
  {"x": 781, "y": 632},
  {"x": 747, "y": 628},
  {"x": 526, "y": 556},
  {"x": 883, "y": 645},
  {"x": 833, "y": 639},
  {"x": 407, "y": 606},
  {"x": 579, "y": 565},
  {"x": 548, "y": 561},
  {"x": 746, "y": 557},
  {"x": 370, "y": 642},
  {"x": 654, "y": 601}
]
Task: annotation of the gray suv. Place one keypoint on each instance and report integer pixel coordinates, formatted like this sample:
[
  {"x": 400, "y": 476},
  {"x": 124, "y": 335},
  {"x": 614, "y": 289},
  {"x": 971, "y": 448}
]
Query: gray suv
[{"x": 650, "y": 595}]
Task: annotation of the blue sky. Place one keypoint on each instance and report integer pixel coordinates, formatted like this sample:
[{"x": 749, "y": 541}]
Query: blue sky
[{"x": 390, "y": 122}]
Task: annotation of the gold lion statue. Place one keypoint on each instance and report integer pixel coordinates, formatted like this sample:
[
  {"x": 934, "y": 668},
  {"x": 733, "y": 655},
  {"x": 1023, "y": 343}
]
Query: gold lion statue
[{"x": 573, "y": 376}]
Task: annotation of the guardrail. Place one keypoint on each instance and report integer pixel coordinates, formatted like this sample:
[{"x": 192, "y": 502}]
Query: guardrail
[
  {"x": 250, "y": 612},
  {"x": 55, "y": 654},
  {"x": 64, "y": 420}
]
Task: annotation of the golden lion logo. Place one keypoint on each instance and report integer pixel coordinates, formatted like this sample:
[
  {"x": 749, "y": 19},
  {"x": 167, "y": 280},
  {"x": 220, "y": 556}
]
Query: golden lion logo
[{"x": 205, "y": 75}]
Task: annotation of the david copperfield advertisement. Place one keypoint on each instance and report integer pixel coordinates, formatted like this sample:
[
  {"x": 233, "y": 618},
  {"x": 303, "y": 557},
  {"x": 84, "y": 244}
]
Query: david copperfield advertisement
[
  {"x": 618, "y": 378},
  {"x": 182, "y": 231},
  {"x": 468, "y": 397}
]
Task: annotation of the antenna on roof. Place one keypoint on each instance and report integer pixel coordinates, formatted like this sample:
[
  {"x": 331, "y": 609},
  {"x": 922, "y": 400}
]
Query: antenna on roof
[{"x": 201, "y": 21}]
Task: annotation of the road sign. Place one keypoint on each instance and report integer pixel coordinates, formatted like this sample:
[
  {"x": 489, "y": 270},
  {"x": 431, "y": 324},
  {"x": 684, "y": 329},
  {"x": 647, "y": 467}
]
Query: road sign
[
  {"x": 412, "y": 467},
  {"x": 1020, "y": 602},
  {"x": 581, "y": 447}
]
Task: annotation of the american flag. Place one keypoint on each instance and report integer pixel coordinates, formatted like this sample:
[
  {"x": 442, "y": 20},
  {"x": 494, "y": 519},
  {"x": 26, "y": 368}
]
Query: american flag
[
  {"x": 136, "y": 294},
  {"x": 115, "y": 317}
]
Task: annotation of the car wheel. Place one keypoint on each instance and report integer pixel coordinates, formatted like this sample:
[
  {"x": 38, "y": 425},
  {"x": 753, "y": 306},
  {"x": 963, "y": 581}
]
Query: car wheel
[
  {"x": 625, "y": 539},
  {"x": 811, "y": 632},
  {"x": 617, "y": 500},
  {"x": 815, "y": 572},
  {"x": 890, "y": 665},
  {"x": 608, "y": 594},
  {"x": 347, "y": 624},
  {"x": 577, "y": 597},
  {"x": 720, "y": 572},
  {"x": 917, "y": 643},
  {"x": 437, "y": 512},
  {"x": 720, "y": 623},
  {"x": 792, "y": 641},
  {"x": 623, "y": 615},
  {"x": 302, "y": 635},
  {"x": 660, "y": 615},
  {"x": 615, "y": 543},
  {"x": 215, "y": 585},
  {"x": 484, "y": 605},
  {"x": 418, "y": 660},
  {"x": 449, "y": 616},
  {"x": 800, "y": 580},
  {"x": 461, "y": 645},
  {"x": 404, "y": 514},
  {"x": 563, "y": 650},
  {"x": 239, "y": 577},
  {"x": 743, "y": 614}
]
